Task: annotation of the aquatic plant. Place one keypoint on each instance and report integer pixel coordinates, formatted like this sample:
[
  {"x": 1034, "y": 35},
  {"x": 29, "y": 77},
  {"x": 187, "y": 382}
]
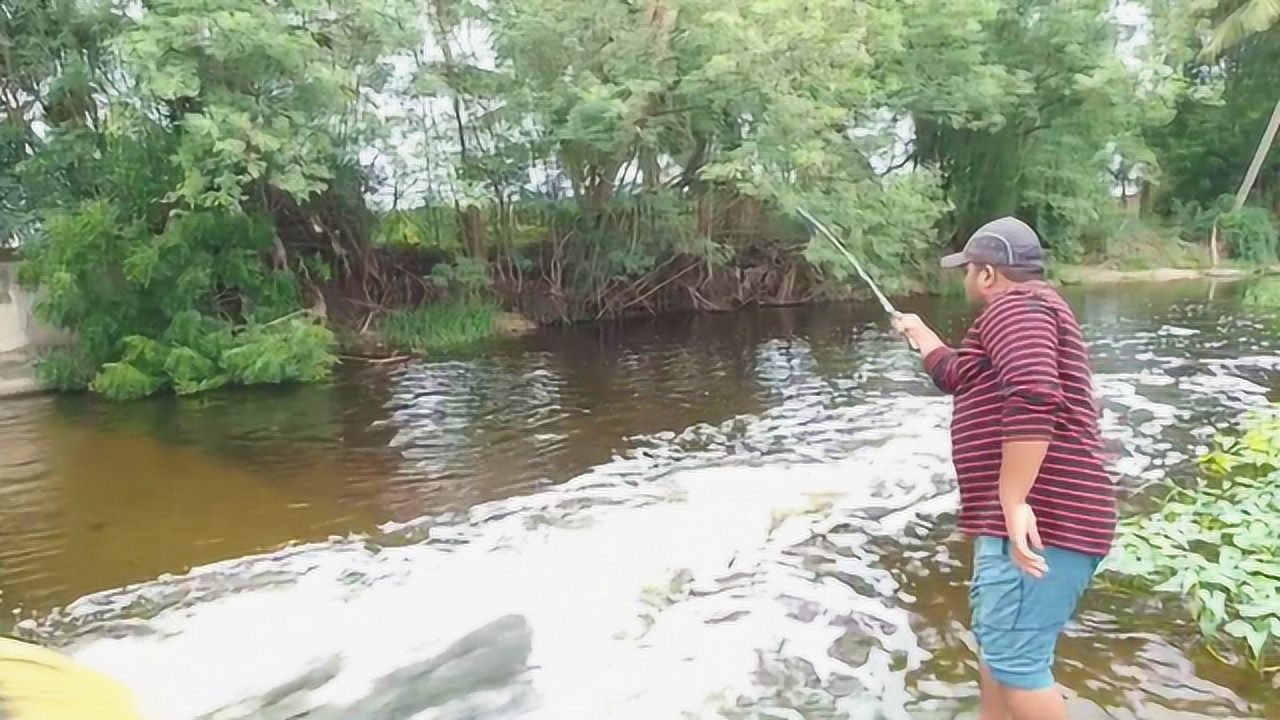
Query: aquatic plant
[
  {"x": 1218, "y": 545},
  {"x": 440, "y": 327},
  {"x": 1263, "y": 294}
]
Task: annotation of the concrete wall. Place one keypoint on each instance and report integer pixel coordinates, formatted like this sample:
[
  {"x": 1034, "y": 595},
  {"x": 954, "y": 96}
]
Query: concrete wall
[{"x": 21, "y": 336}]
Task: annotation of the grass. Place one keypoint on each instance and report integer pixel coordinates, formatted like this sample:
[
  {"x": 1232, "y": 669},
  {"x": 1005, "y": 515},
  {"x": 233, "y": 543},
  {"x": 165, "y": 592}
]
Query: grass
[
  {"x": 1144, "y": 244},
  {"x": 440, "y": 327}
]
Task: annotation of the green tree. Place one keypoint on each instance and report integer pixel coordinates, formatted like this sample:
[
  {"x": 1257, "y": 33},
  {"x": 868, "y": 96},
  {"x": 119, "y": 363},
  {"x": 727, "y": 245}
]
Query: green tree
[
  {"x": 1244, "y": 20},
  {"x": 50, "y": 58},
  {"x": 180, "y": 224},
  {"x": 1215, "y": 153},
  {"x": 1037, "y": 107}
]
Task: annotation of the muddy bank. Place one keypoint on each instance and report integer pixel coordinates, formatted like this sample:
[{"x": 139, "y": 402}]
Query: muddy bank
[
  {"x": 1094, "y": 275},
  {"x": 22, "y": 337}
]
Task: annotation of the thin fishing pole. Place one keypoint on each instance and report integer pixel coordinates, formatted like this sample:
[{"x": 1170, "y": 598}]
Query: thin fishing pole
[{"x": 875, "y": 289}]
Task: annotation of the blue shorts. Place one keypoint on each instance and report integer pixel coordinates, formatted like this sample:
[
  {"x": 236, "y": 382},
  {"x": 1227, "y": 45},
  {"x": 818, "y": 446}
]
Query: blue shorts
[{"x": 1016, "y": 618}]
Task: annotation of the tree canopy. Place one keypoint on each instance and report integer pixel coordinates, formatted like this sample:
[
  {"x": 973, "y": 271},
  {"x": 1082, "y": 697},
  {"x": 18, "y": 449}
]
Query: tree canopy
[{"x": 205, "y": 190}]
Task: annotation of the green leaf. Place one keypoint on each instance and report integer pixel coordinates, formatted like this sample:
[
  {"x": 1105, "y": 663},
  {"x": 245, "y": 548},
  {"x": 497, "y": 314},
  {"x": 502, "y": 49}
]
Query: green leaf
[{"x": 123, "y": 381}]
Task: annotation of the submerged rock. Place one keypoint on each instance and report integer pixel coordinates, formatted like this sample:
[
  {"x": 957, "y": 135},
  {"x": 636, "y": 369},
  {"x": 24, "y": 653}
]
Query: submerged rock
[{"x": 492, "y": 657}]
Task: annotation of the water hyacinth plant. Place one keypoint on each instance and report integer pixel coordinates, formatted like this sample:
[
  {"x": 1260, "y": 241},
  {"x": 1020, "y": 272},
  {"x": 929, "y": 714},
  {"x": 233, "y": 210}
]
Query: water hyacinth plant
[{"x": 1218, "y": 545}]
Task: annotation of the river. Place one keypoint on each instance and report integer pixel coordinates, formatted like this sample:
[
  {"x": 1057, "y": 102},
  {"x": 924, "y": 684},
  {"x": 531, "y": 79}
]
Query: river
[{"x": 740, "y": 516}]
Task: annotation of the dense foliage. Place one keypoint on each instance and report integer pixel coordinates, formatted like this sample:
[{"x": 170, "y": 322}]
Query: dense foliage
[
  {"x": 1218, "y": 545},
  {"x": 1203, "y": 152},
  {"x": 199, "y": 188}
]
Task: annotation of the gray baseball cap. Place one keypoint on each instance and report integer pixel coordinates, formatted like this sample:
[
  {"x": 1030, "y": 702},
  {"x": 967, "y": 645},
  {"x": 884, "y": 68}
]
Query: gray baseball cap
[{"x": 1007, "y": 243}]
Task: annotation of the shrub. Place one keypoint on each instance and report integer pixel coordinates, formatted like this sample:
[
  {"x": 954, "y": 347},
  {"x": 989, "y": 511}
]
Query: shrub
[
  {"x": 1249, "y": 234},
  {"x": 188, "y": 309}
]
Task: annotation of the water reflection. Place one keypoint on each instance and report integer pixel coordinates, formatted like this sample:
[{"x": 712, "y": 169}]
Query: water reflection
[{"x": 755, "y": 520}]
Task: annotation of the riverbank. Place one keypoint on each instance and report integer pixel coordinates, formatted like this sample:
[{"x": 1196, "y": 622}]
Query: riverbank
[
  {"x": 435, "y": 329},
  {"x": 1099, "y": 275}
]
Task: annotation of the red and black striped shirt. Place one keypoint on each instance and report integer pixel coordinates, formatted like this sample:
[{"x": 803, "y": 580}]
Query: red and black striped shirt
[{"x": 1023, "y": 373}]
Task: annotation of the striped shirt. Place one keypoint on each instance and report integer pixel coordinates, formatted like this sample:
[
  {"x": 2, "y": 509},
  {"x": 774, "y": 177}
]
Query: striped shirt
[{"x": 1023, "y": 373}]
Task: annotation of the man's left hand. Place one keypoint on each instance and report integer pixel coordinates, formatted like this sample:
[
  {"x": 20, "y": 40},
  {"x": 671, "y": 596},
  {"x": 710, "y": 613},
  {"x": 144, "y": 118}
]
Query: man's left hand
[{"x": 1020, "y": 523}]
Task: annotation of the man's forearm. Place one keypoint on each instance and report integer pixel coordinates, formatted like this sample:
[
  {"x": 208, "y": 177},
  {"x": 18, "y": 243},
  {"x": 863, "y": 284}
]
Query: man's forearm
[
  {"x": 928, "y": 342},
  {"x": 1019, "y": 468}
]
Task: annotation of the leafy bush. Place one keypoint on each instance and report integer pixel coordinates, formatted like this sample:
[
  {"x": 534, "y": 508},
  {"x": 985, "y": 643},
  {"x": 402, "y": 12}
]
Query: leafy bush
[
  {"x": 427, "y": 227},
  {"x": 1218, "y": 545},
  {"x": 464, "y": 277},
  {"x": 1194, "y": 221},
  {"x": 1263, "y": 294},
  {"x": 198, "y": 354},
  {"x": 1250, "y": 234},
  {"x": 1134, "y": 243},
  {"x": 194, "y": 166},
  {"x": 189, "y": 309}
]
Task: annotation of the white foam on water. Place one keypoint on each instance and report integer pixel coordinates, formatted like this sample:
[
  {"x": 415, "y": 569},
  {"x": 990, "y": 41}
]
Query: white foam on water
[
  {"x": 1177, "y": 331},
  {"x": 638, "y": 610}
]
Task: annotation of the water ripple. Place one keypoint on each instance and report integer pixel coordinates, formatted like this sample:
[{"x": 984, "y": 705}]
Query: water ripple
[{"x": 792, "y": 561}]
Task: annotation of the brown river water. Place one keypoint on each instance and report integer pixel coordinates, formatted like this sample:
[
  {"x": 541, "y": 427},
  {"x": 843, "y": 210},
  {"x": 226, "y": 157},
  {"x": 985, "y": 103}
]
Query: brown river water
[{"x": 737, "y": 516}]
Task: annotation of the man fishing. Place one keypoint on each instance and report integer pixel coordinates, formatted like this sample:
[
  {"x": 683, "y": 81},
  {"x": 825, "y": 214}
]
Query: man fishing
[{"x": 1034, "y": 492}]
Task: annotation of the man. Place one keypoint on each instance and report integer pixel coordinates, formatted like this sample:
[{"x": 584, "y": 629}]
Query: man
[{"x": 1034, "y": 492}]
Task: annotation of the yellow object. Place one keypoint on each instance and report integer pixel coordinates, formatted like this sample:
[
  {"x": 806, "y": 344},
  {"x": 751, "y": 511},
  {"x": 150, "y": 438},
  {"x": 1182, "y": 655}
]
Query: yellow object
[{"x": 39, "y": 684}]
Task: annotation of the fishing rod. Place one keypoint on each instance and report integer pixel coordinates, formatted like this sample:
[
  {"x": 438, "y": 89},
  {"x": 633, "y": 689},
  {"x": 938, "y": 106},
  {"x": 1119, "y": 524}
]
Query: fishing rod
[{"x": 835, "y": 242}]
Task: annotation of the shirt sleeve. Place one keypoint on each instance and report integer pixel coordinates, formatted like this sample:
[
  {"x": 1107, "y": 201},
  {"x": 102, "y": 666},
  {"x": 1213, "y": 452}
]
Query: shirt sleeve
[
  {"x": 1020, "y": 335},
  {"x": 941, "y": 366}
]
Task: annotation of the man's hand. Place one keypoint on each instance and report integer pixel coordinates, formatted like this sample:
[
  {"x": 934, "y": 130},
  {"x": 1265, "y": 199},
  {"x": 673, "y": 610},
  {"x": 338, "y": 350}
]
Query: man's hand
[
  {"x": 913, "y": 328},
  {"x": 909, "y": 324},
  {"x": 1020, "y": 523},
  {"x": 1019, "y": 466}
]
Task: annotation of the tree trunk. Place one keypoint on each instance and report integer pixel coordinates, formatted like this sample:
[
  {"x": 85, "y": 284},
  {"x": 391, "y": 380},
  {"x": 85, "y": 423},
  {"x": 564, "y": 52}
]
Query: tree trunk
[
  {"x": 475, "y": 233},
  {"x": 1259, "y": 157},
  {"x": 1250, "y": 177}
]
